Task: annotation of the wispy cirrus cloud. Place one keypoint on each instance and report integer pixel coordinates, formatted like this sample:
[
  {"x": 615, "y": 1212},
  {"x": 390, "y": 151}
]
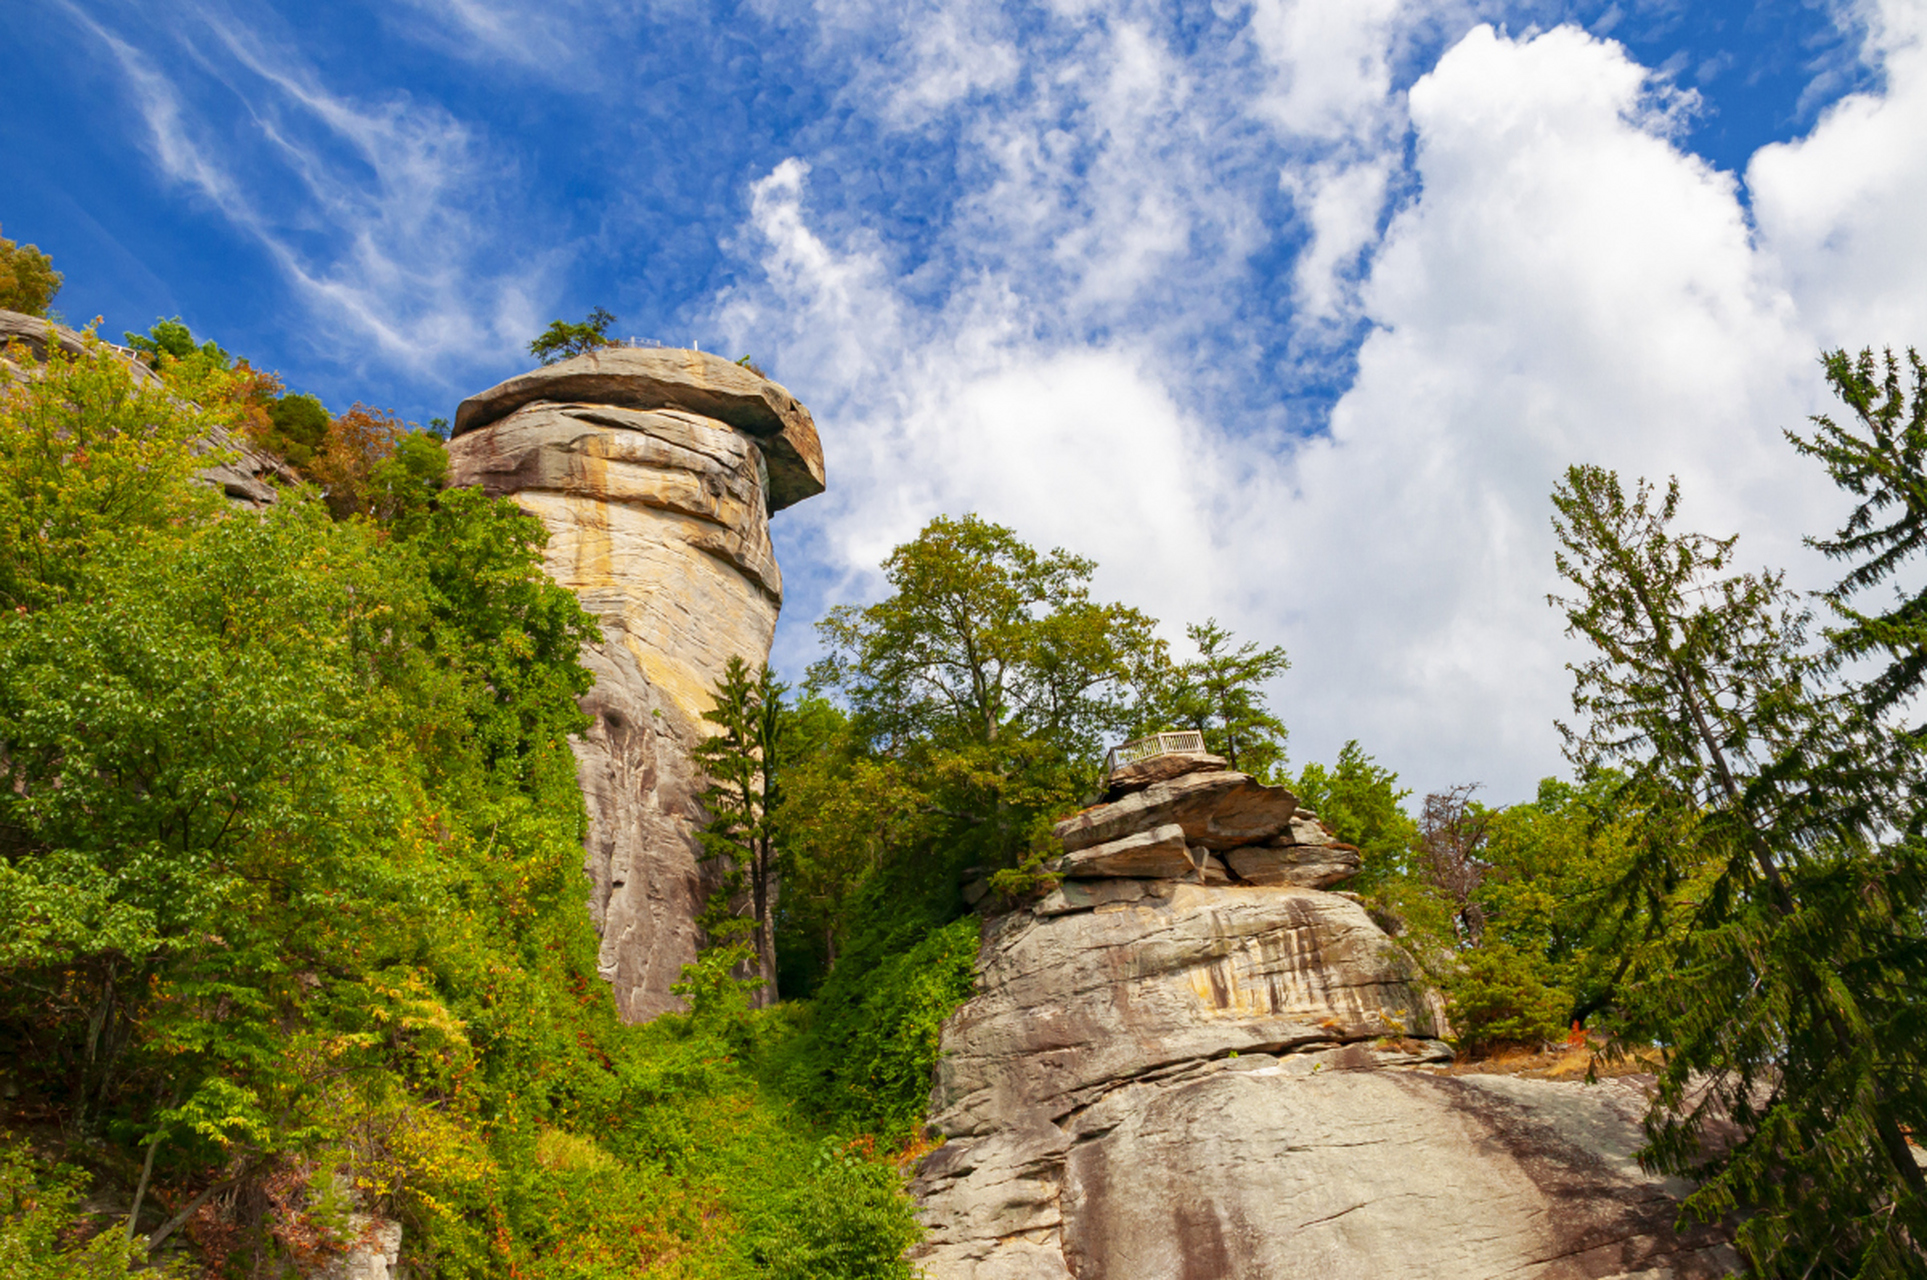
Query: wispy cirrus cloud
[{"x": 376, "y": 211}]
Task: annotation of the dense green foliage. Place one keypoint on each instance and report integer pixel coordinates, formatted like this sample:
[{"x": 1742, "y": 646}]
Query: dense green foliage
[
  {"x": 290, "y": 893},
  {"x": 1792, "y": 994},
  {"x": 742, "y": 760},
  {"x": 28, "y": 281},
  {"x": 1220, "y": 694}
]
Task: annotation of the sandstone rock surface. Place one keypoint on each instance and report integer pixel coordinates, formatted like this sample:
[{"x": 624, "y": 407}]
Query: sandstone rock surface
[
  {"x": 1159, "y": 852},
  {"x": 1228, "y": 1074},
  {"x": 1313, "y": 866},
  {"x": 1142, "y": 773},
  {"x": 1218, "y": 809},
  {"x": 653, "y": 473},
  {"x": 1228, "y": 1083},
  {"x": 659, "y": 378}
]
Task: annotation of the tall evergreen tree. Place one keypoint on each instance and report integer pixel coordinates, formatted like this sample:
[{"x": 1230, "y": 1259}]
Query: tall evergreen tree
[
  {"x": 1220, "y": 693},
  {"x": 1792, "y": 1004},
  {"x": 741, "y": 760},
  {"x": 1878, "y": 457}
]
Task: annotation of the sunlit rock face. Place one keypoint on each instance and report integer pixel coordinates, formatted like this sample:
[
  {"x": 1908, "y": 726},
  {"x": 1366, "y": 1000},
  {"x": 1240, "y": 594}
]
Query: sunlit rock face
[
  {"x": 655, "y": 472},
  {"x": 1191, "y": 1062}
]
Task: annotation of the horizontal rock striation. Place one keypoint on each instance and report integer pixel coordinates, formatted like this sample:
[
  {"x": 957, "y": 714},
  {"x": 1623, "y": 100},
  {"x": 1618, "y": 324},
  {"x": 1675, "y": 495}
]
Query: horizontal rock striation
[
  {"x": 654, "y": 472},
  {"x": 1227, "y": 1073}
]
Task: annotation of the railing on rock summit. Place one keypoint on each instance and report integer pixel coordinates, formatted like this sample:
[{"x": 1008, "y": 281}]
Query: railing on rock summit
[{"x": 1156, "y": 744}]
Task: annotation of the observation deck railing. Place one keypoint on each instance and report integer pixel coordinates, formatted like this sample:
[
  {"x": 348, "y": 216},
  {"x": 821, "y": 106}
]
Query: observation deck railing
[{"x": 1157, "y": 744}]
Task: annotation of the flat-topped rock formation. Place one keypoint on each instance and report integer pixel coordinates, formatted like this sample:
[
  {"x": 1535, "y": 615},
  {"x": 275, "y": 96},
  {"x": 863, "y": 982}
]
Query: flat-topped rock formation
[
  {"x": 1190, "y": 1061},
  {"x": 655, "y": 472}
]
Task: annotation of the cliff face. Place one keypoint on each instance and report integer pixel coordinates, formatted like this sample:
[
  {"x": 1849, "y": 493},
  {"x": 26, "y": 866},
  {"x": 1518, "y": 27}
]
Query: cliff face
[
  {"x": 1209, "y": 1068},
  {"x": 655, "y": 472}
]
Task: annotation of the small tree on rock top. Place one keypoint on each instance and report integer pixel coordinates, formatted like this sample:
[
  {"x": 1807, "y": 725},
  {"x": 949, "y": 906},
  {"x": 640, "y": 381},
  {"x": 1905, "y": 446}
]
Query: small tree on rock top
[{"x": 562, "y": 339}]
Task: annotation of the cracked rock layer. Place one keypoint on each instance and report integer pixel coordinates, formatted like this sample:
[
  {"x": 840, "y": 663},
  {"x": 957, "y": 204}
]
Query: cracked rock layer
[{"x": 1218, "y": 1083}]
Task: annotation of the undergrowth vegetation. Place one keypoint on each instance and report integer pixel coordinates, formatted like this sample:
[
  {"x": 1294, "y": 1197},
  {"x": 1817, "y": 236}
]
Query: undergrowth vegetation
[{"x": 291, "y": 921}]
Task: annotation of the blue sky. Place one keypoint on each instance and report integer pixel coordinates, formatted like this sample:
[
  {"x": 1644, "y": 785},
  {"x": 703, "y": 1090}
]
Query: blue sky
[{"x": 1287, "y": 313}]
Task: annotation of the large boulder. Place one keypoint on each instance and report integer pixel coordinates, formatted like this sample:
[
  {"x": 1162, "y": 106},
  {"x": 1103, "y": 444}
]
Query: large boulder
[
  {"x": 1158, "y": 853},
  {"x": 1313, "y": 866},
  {"x": 708, "y": 386},
  {"x": 1140, "y": 774},
  {"x": 1217, "y": 809},
  {"x": 653, "y": 473},
  {"x": 1236, "y": 1083}
]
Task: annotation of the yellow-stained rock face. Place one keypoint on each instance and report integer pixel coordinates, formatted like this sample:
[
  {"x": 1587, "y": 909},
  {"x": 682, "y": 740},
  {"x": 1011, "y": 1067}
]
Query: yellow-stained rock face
[{"x": 658, "y": 520}]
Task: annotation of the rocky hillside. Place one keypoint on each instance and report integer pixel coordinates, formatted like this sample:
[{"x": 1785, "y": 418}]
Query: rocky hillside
[{"x": 1192, "y": 1061}]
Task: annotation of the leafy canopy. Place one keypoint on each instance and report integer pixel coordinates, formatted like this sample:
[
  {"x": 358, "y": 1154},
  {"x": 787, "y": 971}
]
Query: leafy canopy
[
  {"x": 28, "y": 281},
  {"x": 290, "y": 888},
  {"x": 1220, "y": 694}
]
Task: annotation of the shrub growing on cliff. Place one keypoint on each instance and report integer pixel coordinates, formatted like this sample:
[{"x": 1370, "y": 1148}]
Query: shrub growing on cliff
[
  {"x": 290, "y": 885},
  {"x": 89, "y": 457}
]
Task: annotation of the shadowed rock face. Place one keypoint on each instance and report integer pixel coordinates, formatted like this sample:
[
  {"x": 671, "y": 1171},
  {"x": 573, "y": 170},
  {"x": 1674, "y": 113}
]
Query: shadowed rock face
[
  {"x": 1166, "y": 1080},
  {"x": 652, "y": 471}
]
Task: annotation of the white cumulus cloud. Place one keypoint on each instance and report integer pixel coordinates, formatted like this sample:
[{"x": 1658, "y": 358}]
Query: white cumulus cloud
[{"x": 1558, "y": 282}]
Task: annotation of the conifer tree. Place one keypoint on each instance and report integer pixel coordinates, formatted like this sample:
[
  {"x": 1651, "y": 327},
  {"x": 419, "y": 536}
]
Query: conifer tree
[
  {"x": 1220, "y": 694},
  {"x": 1878, "y": 457},
  {"x": 741, "y": 760},
  {"x": 1791, "y": 1004}
]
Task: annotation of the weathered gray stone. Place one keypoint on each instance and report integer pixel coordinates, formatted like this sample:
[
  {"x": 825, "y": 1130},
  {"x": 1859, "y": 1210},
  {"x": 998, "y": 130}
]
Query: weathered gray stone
[
  {"x": 373, "y": 1253},
  {"x": 659, "y": 378},
  {"x": 1217, "y": 810},
  {"x": 1315, "y": 866},
  {"x": 1160, "y": 853},
  {"x": 1087, "y": 895},
  {"x": 1220, "y": 1084},
  {"x": 38, "y": 334},
  {"x": 1307, "y": 828},
  {"x": 1142, "y": 773}
]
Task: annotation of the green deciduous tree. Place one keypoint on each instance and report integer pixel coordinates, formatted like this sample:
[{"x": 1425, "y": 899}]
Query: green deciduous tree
[
  {"x": 1361, "y": 801},
  {"x": 1791, "y": 1003},
  {"x": 1549, "y": 953},
  {"x": 845, "y": 812},
  {"x": 28, "y": 281},
  {"x": 298, "y": 429},
  {"x": 992, "y": 674},
  {"x": 87, "y": 451}
]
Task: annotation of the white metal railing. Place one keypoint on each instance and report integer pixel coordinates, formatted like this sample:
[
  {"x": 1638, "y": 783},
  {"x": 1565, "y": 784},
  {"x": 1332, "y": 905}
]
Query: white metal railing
[{"x": 1156, "y": 744}]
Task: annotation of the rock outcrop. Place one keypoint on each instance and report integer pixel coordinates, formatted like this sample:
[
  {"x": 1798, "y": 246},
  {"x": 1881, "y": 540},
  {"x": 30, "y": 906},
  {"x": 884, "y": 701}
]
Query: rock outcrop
[
  {"x": 655, "y": 472},
  {"x": 245, "y": 474},
  {"x": 1229, "y": 1073}
]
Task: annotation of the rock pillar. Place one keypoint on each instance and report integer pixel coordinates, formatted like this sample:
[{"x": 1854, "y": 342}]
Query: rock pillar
[{"x": 655, "y": 472}]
